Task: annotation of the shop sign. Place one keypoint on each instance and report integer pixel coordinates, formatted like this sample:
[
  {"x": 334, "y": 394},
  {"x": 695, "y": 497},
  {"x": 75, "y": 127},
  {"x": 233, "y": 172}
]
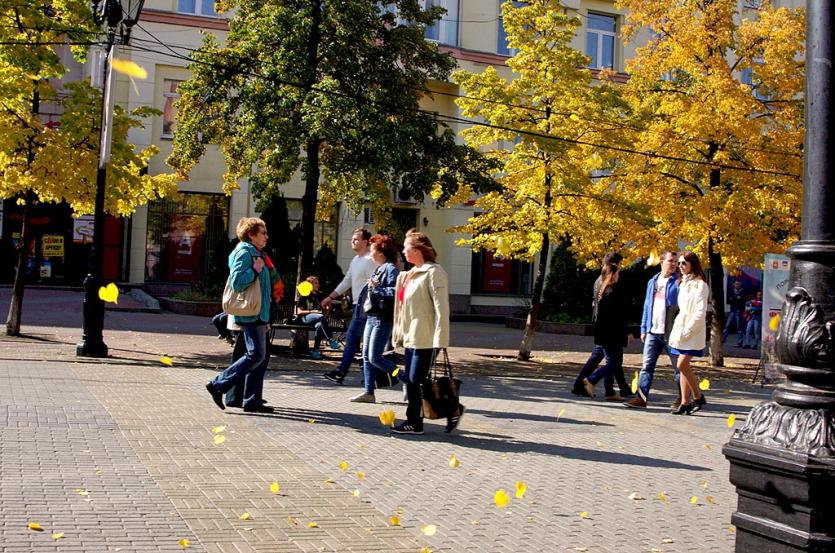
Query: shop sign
[
  {"x": 52, "y": 245},
  {"x": 82, "y": 230}
]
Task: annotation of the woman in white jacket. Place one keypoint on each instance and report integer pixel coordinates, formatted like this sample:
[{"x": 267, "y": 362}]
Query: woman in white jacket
[
  {"x": 689, "y": 333},
  {"x": 421, "y": 325}
]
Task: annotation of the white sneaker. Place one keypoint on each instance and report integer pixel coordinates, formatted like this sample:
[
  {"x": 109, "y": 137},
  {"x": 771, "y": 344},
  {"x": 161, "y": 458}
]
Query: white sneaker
[{"x": 364, "y": 398}]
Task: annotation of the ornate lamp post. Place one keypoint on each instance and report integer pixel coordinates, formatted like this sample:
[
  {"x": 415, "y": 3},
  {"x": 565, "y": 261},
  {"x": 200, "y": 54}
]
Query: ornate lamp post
[
  {"x": 783, "y": 459},
  {"x": 119, "y": 16}
]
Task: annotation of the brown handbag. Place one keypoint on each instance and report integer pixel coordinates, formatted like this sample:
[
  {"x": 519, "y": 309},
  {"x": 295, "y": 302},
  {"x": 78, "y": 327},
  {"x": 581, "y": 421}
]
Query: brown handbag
[
  {"x": 440, "y": 391},
  {"x": 242, "y": 304}
]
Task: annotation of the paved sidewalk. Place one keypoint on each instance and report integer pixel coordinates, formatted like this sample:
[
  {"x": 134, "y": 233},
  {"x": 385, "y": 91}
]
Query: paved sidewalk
[{"x": 119, "y": 454}]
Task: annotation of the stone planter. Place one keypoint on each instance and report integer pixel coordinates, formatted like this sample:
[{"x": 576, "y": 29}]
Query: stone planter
[
  {"x": 550, "y": 327},
  {"x": 195, "y": 308}
]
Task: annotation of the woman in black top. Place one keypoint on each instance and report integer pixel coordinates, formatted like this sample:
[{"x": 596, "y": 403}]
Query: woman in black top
[{"x": 610, "y": 330}]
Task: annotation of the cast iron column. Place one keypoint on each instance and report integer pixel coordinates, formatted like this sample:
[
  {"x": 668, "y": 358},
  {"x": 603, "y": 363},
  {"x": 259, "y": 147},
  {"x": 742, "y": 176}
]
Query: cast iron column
[{"x": 783, "y": 459}]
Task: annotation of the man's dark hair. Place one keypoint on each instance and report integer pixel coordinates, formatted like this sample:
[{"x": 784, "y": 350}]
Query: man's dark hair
[{"x": 364, "y": 231}]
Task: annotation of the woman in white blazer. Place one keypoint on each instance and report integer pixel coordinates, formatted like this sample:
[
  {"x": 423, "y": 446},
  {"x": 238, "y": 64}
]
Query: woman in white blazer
[
  {"x": 421, "y": 325},
  {"x": 689, "y": 334}
]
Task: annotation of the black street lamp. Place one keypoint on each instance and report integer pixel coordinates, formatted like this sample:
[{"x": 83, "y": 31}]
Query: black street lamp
[
  {"x": 119, "y": 17},
  {"x": 783, "y": 459}
]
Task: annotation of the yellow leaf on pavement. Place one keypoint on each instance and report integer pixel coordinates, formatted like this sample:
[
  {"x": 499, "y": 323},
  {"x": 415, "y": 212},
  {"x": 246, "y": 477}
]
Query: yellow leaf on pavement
[
  {"x": 694, "y": 499},
  {"x": 394, "y": 520},
  {"x": 292, "y": 520},
  {"x": 521, "y": 488},
  {"x": 731, "y": 420},
  {"x": 312, "y": 525},
  {"x": 501, "y": 499},
  {"x": 704, "y": 385},
  {"x": 35, "y": 527},
  {"x": 329, "y": 481},
  {"x": 635, "y": 496},
  {"x": 219, "y": 439},
  {"x": 274, "y": 487},
  {"x": 635, "y": 383},
  {"x": 703, "y": 483},
  {"x": 709, "y": 499},
  {"x": 165, "y": 360},
  {"x": 454, "y": 462},
  {"x": 429, "y": 529},
  {"x": 360, "y": 475},
  {"x": 561, "y": 413},
  {"x": 218, "y": 429},
  {"x": 245, "y": 516},
  {"x": 183, "y": 543},
  {"x": 387, "y": 417},
  {"x": 57, "y": 535},
  {"x": 82, "y": 492},
  {"x": 662, "y": 497},
  {"x": 355, "y": 493},
  {"x": 584, "y": 514},
  {"x": 425, "y": 550},
  {"x": 343, "y": 466}
]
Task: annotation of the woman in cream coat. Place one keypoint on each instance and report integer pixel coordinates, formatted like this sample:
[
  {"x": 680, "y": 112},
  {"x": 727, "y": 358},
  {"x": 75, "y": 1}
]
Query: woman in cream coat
[
  {"x": 421, "y": 325},
  {"x": 689, "y": 333}
]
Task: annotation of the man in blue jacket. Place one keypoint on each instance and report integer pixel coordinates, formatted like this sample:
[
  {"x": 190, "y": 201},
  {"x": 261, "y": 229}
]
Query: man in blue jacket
[{"x": 660, "y": 308}]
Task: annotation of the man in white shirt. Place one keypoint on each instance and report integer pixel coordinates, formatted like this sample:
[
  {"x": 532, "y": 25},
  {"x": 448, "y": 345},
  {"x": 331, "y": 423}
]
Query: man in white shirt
[
  {"x": 660, "y": 308},
  {"x": 359, "y": 271}
]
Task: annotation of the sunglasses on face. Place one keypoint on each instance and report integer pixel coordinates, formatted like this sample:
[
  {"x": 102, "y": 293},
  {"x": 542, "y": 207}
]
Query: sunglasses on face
[{"x": 682, "y": 262}]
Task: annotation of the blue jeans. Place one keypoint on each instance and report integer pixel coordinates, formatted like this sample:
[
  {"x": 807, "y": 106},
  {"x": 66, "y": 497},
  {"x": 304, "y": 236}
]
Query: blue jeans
[
  {"x": 374, "y": 341},
  {"x": 752, "y": 333},
  {"x": 654, "y": 345},
  {"x": 318, "y": 321},
  {"x": 356, "y": 328},
  {"x": 597, "y": 355},
  {"x": 416, "y": 366},
  {"x": 734, "y": 320},
  {"x": 250, "y": 367},
  {"x": 614, "y": 364}
]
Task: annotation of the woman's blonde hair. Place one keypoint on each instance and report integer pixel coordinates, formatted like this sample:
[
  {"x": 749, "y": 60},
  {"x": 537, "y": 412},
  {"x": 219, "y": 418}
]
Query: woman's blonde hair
[
  {"x": 607, "y": 277},
  {"x": 248, "y": 226},
  {"x": 421, "y": 242}
]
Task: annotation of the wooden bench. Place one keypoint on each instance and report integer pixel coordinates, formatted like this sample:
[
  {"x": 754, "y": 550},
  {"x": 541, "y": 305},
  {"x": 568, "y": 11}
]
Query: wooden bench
[{"x": 299, "y": 333}]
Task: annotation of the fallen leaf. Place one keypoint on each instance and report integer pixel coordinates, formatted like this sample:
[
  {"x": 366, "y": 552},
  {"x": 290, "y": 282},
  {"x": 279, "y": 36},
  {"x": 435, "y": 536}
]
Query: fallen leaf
[
  {"x": 694, "y": 500},
  {"x": 703, "y": 483},
  {"x": 709, "y": 499},
  {"x": 732, "y": 529},
  {"x": 521, "y": 488},
  {"x": 329, "y": 481},
  {"x": 360, "y": 475},
  {"x": 704, "y": 385},
  {"x": 292, "y": 520},
  {"x": 57, "y": 535},
  {"x": 501, "y": 498},
  {"x": 454, "y": 462},
  {"x": 82, "y": 492},
  {"x": 274, "y": 487},
  {"x": 584, "y": 514},
  {"x": 667, "y": 540},
  {"x": 218, "y": 429},
  {"x": 35, "y": 527},
  {"x": 599, "y": 443},
  {"x": 312, "y": 525},
  {"x": 475, "y": 522},
  {"x": 561, "y": 413},
  {"x": 581, "y": 549},
  {"x": 662, "y": 497},
  {"x": 219, "y": 439},
  {"x": 425, "y": 550},
  {"x": 355, "y": 493},
  {"x": 311, "y": 421},
  {"x": 429, "y": 529},
  {"x": 165, "y": 360},
  {"x": 635, "y": 383},
  {"x": 387, "y": 417},
  {"x": 183, "y": 543},
  {"x": 708, "y": 446},
  {"x": 635, "y": 496},
  {"x": 245, "y": 516},
  {"x": 731, "y": 421},
  {"x": 343, "y": 466},
  {"x": 394, "y": 520}
]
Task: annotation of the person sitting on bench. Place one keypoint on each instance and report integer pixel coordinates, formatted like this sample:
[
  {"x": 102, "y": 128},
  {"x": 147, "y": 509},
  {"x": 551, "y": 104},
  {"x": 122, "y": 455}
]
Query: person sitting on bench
[{"x": 309, "y": 312}]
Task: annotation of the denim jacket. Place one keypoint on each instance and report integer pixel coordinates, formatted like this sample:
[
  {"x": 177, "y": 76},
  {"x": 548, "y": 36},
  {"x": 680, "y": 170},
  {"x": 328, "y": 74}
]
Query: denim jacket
[
  {"x": 382, "y": 296},
  {"x": 671, "y": 300},
  {"x": 242, "y": 275}
]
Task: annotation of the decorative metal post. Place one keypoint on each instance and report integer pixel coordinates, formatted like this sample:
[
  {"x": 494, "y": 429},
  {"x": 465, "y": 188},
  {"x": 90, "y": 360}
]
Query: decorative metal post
[{"x": 783, "y": 459}]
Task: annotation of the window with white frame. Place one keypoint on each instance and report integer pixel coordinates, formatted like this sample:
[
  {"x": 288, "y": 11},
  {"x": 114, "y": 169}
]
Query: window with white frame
[
  {"x": 747, "y": 77},
  {"x": 600, "y": 40},
  {"x": 501, "y": 43},
  {"x": 197, "y": 7},
  {"x": 169, "y": 112},
  {"x": 445, "y": 30}
]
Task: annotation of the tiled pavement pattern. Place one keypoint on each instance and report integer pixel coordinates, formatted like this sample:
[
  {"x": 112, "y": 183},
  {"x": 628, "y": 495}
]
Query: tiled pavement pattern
[{"x": 137, "y": 436}]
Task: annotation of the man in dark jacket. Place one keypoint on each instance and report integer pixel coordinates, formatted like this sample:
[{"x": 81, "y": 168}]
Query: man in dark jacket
[
  {"x": 736, "y": 303},
  {"x": 660, "y": 308}
]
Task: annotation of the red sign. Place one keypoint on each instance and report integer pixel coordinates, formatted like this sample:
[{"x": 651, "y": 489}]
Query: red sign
[
  {"x": 185, "y": 247},
  {"x": 496, "y": 274}
]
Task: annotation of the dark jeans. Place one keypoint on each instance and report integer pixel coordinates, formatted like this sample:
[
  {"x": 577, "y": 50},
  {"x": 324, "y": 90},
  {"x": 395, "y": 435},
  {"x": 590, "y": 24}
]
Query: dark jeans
[
  {"x": 234, "y": 397},
  {"x": 320, "y": 323},
  {"x": 249, "y": 368},
  {"x": 614, "y": 365},
  {"x": 735, "y": 321},
  {"x": 356, "y": 328},
  {"x": 416, "y": 366},
  {"x": 598, "y": 353}
]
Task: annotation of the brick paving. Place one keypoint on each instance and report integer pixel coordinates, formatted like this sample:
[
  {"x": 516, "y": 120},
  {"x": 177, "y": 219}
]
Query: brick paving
[{"x": 118, "y": 454}]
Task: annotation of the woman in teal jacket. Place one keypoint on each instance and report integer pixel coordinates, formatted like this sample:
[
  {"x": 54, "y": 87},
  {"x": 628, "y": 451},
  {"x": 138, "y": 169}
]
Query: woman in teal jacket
[{"x": 246, "y": 265}]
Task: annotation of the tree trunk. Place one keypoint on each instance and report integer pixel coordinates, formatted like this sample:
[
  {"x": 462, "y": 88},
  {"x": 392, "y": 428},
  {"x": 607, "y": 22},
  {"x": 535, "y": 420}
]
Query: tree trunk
[
  {"x": 16, "y": 304},
  {"x": 309, "y": 200},
  {"x": 717, "y": 294},
  {"x": 536, "y": 302}
]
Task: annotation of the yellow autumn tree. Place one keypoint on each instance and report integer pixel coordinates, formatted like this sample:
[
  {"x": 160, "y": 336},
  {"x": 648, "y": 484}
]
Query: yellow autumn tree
[
  {"x": 715, "y": 121},
  {"x": 540, "y": 125},
  {"x": 41, "y": 163}
]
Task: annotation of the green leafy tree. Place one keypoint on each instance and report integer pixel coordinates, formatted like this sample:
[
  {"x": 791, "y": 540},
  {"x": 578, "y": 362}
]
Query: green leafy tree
[
  {"x": 548, "y": 114},
  {"x": 718, "y": 161},
  {"x": 330, "y": 89},
  {"x": 39, "y": 163}
]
